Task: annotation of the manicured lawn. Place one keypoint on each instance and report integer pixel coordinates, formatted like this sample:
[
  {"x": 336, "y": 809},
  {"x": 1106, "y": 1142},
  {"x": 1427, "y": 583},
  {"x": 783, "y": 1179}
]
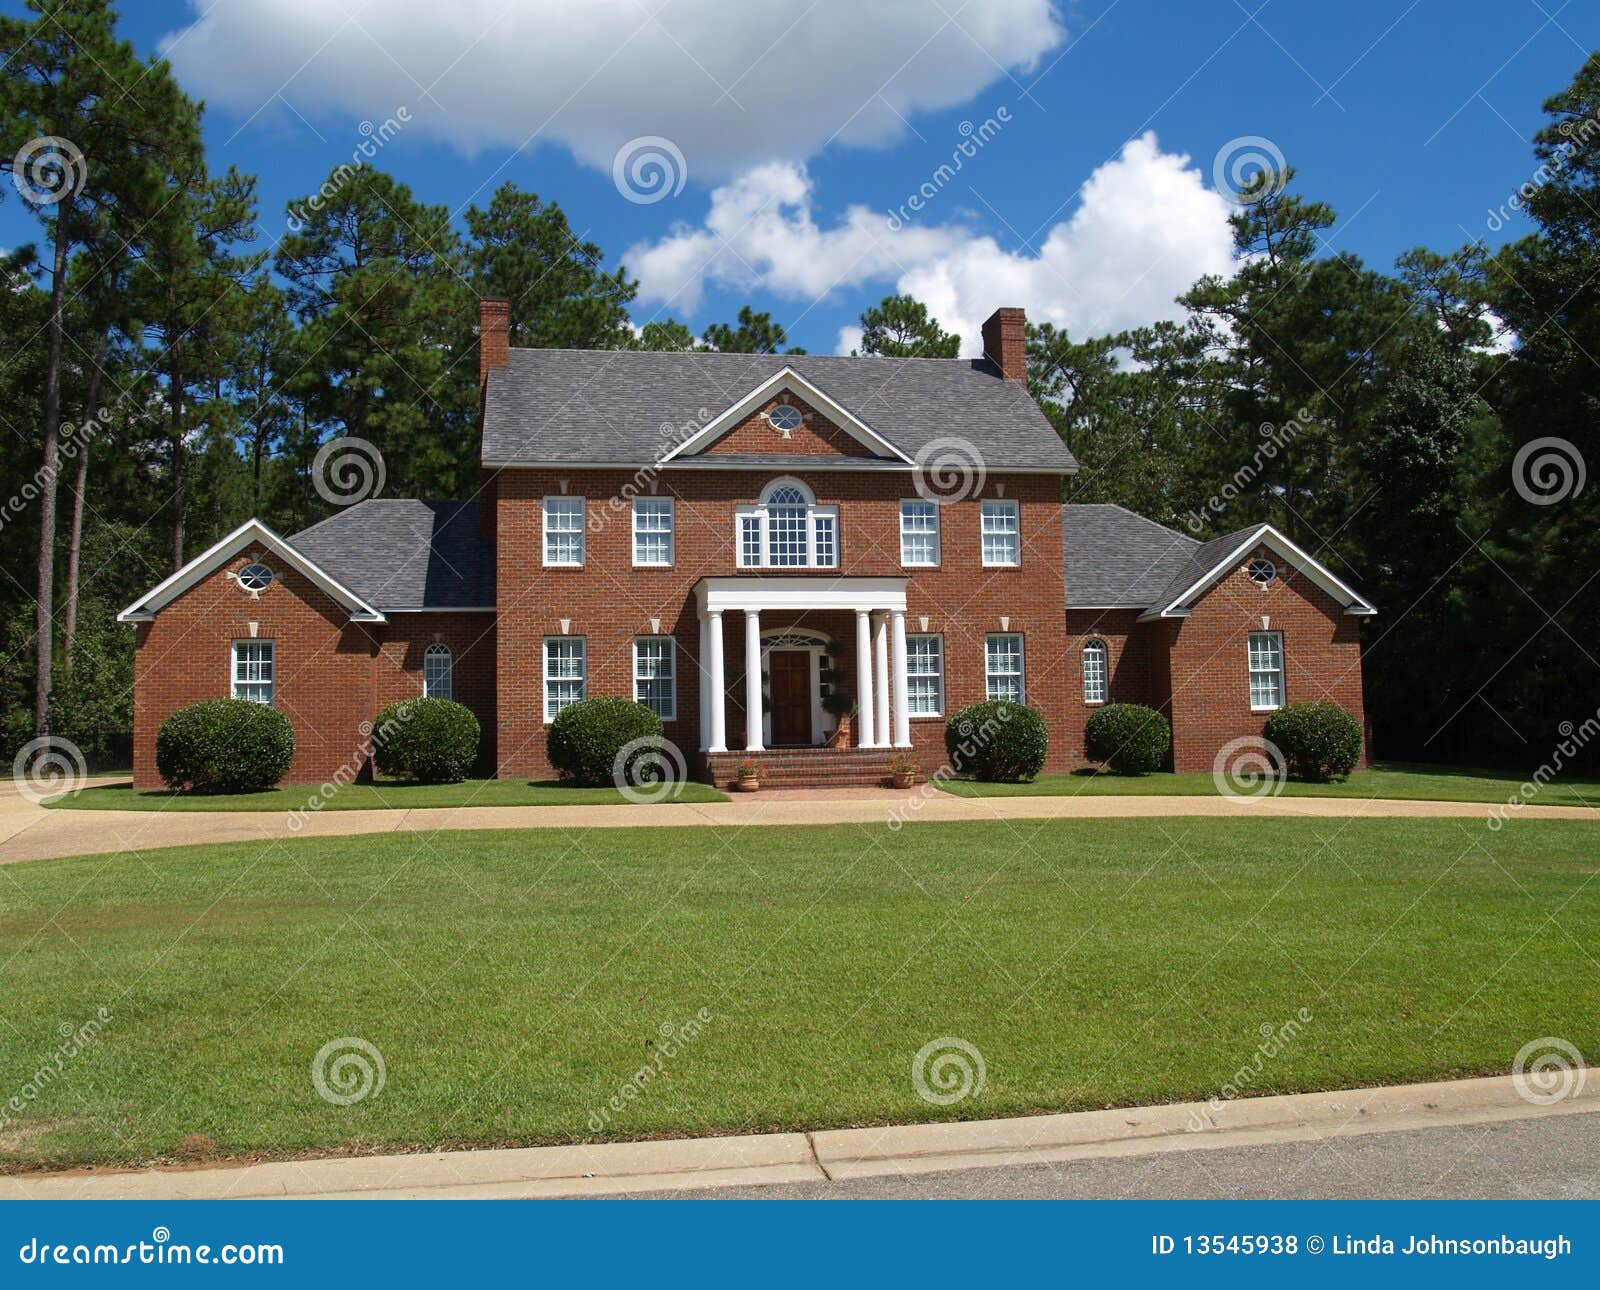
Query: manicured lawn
[
  {"x": 514, "y": 982},
  {"x": 371, "y": 797},
  {"x": 1382, "y": 780}
]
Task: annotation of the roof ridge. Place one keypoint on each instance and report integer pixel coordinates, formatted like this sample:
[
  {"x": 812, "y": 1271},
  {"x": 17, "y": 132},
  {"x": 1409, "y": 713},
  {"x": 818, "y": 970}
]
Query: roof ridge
[{"x": 733, "y": 353}]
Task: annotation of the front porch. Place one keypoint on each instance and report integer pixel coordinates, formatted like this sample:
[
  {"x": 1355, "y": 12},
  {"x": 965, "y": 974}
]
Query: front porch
[
  {"x": 805, "y": 767},
  {"x": 798, "y": 659}
]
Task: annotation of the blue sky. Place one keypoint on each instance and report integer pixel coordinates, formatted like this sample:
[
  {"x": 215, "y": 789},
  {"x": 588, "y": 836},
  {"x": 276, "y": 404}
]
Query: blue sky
[{"x": 801, "y": 126}]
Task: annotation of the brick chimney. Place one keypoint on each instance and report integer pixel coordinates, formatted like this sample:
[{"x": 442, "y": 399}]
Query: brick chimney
[
  {"x": 1005, "y": 343},
  {"x": 494, "y": 336}
]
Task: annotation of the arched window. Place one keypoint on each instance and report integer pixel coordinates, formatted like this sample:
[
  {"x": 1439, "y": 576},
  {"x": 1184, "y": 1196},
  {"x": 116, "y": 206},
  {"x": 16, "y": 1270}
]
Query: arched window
[
  {"x": 438, "y": 672},
  {"x": 788, "y": 530},
  {"x": 1094, "y": 672}
]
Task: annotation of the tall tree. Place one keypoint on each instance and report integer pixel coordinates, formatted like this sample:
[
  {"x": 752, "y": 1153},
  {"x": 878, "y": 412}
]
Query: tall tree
[
  {"x": 901, "y": 327},
  {"x": 756, "y": 333}
]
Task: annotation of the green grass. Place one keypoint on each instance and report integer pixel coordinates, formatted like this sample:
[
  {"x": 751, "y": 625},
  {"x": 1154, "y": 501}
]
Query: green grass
[
  {"x": 1394, "y": 780},
  {"x": 370, "y": 797},
  {"x": 515, "y": 981}
]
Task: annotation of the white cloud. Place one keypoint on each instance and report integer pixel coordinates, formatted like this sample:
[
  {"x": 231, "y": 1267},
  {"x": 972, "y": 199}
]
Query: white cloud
[
  {"x": 731, "y": 82},
  {"x": 1145, "y": 228}
]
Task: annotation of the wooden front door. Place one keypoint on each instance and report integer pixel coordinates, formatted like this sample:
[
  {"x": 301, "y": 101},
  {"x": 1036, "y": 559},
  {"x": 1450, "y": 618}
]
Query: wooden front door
[{"x": 790, "y": 670}]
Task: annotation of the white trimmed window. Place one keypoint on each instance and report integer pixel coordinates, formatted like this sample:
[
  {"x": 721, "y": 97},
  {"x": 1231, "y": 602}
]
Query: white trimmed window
[
  {"x": 566, "y": 673},
  {"x": 919, "y": 533},
  {"x": 1094, "y": 672},
  {"x": 655, "y": 675},
  {"x": 1266, "y": 671},
  {"x": 652, "y": 532},
  {"x": 925, "y": 675},
  {"x": 1002, "y": 666},
  {"x": 563, "y": 531},
  {"x": 438, "y": 672},
  {"x": 254, "y": 671},
  {"x": 788, "y": 530},
  {"x": 1002, "y": 534}
]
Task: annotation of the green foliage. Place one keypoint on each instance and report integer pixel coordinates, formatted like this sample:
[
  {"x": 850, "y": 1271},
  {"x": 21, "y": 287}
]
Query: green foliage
[
  {"x": 1128, "y": 737},
  {"x": 430, "y": 741},
  {"x": 224, "y": 746},
  {"x": 901, "y": 327},
  {"x": 587, "y": 737},
  {"x": 997, "y": 741},
  {"x": 1319, "y": 741},
  {"x": 756, "y": 333}
]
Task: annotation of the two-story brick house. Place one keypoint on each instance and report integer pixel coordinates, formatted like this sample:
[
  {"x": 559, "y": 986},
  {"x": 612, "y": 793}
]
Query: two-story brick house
[{"x": 726, "y": 537}]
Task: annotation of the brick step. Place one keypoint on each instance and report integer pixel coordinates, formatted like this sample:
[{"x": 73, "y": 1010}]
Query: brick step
[{"x": 808, "y": 767}]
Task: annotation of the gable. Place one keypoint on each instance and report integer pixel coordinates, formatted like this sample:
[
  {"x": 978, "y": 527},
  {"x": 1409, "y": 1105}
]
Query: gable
[
  {"x": 817, "y": 435},
  {"x": 1216, "y": 560}
]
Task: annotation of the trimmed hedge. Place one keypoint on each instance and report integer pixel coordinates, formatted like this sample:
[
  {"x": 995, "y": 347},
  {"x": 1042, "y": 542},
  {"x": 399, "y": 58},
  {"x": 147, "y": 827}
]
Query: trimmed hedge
[
  {"x": 1128, "y": 737},
  {"x": 586, "y": 737},
  {"x": 1319, "y": 741},
  {"x": 430, "y": 741},
  {"x": 997, "y": 741},
  {"x": 224, "y": 746}
]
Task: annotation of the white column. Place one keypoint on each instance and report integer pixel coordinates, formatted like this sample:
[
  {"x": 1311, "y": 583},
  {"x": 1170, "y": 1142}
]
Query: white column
[
  {"x": 703, "y": 663},
  {"x": 902, "y": 696},
  {"x": 752, "y": 680},
  {"x": 864, "y": 680},
  {"x": 716, "y": 681},
  {"x": 880, "y": 679}
]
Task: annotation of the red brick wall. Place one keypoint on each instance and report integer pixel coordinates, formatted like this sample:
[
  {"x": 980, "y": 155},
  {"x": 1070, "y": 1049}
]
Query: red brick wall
[
  {"x": 1210, "y": 679},
  {"x": 816, "y": 437},
  {"x": 1128, "y": 671},
  {"x": 609, "y": 602},
  {"x": 332, "y": 675}
]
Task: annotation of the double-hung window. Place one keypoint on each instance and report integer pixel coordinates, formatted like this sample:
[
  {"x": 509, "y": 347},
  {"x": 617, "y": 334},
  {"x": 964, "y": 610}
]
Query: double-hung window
[
  {"x": 563, "y": 531},
  {"x": 566, "y": 673},
  {"x": 919, "y": 533},
  {"x": 925, "y": 675},
  {"x": 655, "y": 675},
  {"x": 1094, "y": 672},
  {"x": 1002, "y": 666},
  {"x": 1002, "y": 534},
  {"x": 788, "y": 530},
  {"x": 254, "y": 671},
  {"x": 1266, "y": 671},
  {"x": 438, "y": 672},
  {"x": 652, "y": 532}
]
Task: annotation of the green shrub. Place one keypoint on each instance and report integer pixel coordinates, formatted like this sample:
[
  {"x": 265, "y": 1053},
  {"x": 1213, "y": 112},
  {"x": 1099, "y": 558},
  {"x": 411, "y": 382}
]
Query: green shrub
[
  {"x": 224, "y": 746},
  {"x": 997, "y": 741},
  {"x": 1128, "y": 737},
  {"x": 1319, "y": 741},
  {"x": 586, "y": 738},
  {"x": 431, "y": 741}
]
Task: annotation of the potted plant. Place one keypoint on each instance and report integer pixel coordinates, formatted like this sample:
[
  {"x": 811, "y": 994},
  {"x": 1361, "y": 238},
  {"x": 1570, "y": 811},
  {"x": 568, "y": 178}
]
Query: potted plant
[
  {"x": 842, "y": 707},
  {"x": 747, "y": 776},
  {"x": 903, "y": 770}
]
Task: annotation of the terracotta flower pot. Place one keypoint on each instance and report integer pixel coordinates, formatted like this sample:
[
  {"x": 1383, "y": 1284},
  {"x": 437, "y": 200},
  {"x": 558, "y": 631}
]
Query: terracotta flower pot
[
  {"x": 749, "y": 784},
  {"x": 905, "y": 780}
]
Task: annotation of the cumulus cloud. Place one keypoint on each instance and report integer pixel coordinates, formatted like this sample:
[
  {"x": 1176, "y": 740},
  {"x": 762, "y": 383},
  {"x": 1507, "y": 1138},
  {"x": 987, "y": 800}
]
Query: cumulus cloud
[
  {"x": 1144, "y": 229},
  {"x": 731, "y": 82}
]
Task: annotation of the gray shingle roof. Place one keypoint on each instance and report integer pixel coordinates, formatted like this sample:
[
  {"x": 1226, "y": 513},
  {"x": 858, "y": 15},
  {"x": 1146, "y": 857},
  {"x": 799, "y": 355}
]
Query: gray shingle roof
[
  {"x": 629, "y": 406},
  {"x": 1115, "y": 558},
  {"x": 405, "y": 553},
  {"x": 1201, "y": 562}
]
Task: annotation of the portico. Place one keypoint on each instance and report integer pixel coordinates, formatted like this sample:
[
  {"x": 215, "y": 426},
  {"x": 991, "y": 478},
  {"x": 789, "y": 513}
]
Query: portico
[{"x": 883, "y": 716}]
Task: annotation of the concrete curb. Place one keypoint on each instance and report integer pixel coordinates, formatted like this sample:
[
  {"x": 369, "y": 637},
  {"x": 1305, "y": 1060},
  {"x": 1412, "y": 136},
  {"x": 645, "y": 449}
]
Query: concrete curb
[{"x": 689, "y": 1164}]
